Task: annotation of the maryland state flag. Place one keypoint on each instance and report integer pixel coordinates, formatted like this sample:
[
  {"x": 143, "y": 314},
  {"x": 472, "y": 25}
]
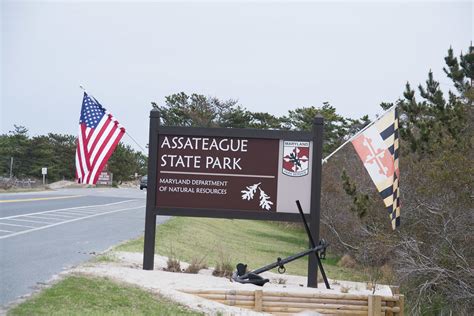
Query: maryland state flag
[{"x": 378, "y": 148}]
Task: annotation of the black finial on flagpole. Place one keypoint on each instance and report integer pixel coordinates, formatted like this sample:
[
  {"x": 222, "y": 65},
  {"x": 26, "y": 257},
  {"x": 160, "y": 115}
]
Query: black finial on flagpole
[{"x": 83, "y": 89}]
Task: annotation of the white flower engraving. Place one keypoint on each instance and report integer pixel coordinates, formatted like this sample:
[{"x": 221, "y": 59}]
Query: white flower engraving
[
  {"x": 265, "y": 202},
  {"x": 249, "y": 193}
]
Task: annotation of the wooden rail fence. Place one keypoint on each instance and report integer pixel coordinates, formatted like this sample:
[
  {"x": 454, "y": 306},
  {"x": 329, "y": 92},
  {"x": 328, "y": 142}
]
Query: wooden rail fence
[{"x": 286, "y": 303}]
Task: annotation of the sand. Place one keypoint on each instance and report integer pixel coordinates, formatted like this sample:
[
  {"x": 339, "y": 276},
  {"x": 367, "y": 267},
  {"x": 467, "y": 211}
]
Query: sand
[{"x": 127, "y": 267}]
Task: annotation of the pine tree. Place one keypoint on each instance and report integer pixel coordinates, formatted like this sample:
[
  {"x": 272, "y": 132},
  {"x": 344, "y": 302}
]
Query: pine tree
[
  {"x": 336, "y": 127},
  {"x": 427, "y": 123}
]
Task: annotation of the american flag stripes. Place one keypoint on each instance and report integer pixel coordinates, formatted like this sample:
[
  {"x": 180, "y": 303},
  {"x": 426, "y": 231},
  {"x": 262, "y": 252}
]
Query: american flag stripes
[
  {"x": 378, "y": 148},
  {"x": 99, "y": 134}
]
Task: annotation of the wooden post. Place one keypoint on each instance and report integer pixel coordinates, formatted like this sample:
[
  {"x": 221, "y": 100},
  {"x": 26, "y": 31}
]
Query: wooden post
[
  {"x": 401, "y": 304},
  {"x": 375, "y": 305},
  {"x": 315, "y": 210},
  {"x": 395, "y": 292},
  {"x": 150, "y": 217},
  {"x": 258, "y": 300},
  {"x": 390, "y": 305}
]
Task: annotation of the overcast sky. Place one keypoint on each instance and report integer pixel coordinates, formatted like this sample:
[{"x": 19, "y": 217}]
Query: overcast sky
[{"x": 271, "y": 56}]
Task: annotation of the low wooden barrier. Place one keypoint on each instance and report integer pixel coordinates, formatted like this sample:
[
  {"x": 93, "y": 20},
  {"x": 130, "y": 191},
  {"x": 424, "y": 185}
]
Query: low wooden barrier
[{"x": 286, "y": 303}]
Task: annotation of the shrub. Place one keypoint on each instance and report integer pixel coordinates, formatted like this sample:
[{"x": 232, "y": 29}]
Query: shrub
[
  {"x": 196, "y": 265},
  {"x": 347, "y": 262},
  {"x": 223, "y": 269},
  {"x": 173, "y": 265}
]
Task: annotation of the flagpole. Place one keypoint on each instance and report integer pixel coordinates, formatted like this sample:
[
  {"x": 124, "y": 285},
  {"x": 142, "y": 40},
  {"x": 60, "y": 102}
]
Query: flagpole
[
  {"x": 357, "y": 134},
  {"x": 143, "y": 149}
]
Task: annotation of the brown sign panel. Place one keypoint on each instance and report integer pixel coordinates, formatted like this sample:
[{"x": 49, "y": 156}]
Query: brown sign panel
[
  {"x": 230, "y": 173},
  {"x": 233, "y": 173}
]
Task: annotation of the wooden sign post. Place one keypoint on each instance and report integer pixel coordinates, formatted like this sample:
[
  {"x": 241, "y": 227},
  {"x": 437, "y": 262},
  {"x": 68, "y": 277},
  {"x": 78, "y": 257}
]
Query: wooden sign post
[{"x": 233, "y": 173}]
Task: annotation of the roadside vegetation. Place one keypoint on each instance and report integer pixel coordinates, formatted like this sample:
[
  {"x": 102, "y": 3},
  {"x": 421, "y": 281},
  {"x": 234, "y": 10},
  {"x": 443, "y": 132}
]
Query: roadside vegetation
[
  {"x": 79, "y": 295},
  {"x": 23, "y": 156},
  {"x": 223, "y": 242}
]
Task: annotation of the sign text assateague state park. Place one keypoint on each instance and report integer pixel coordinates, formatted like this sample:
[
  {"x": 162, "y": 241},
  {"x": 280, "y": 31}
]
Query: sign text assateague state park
[
  {"x": 233, "y": 173},
  {"x": 212, "y": 172}
]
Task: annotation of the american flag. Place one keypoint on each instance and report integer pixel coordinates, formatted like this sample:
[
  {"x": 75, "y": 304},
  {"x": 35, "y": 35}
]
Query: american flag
[{"x": 99, "y": 134}]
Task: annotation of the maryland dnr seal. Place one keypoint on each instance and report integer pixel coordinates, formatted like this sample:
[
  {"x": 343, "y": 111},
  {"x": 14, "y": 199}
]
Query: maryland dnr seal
[{"x": 295, "y": 158}]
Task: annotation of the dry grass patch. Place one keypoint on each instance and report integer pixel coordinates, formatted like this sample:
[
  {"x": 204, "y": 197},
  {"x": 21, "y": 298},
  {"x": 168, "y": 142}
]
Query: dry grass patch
[{"x": 347, "y": 262}]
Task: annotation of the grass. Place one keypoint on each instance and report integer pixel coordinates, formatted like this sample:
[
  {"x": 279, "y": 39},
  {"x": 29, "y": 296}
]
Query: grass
[
  {"x": 255, "y": 243},
  {"x": 77, "y": 295},
  {"x": 17, "y": 190},
  {"x": 104, "y": 258}
]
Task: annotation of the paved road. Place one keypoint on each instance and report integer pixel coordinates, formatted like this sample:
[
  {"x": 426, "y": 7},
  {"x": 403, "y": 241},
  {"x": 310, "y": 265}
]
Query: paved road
[{"x": 45, "y": 232}]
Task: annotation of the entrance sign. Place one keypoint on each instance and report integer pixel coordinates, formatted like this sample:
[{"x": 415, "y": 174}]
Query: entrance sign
[
  {"x": 234, "y": 177},
  {"x": 105, "y": 178},
  {"x": 232, "y": 173}
]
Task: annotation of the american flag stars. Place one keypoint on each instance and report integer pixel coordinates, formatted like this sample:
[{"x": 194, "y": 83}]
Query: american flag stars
[{"x": 92, "y": 112}]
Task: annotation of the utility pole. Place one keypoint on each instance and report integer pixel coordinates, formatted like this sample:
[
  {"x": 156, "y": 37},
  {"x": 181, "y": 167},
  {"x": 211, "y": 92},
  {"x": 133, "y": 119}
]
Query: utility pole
[{"x": 11, "y": 167}]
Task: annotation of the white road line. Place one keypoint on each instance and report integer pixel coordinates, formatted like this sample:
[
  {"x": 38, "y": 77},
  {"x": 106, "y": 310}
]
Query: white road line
[
  {"x": 81, "y": 212},
  {"x": 17, "y": 225},
  {"x": 6, "y": 231},
  {"x": 61, "y": 216},
  {"x": 70, "y": 208},
  {"x": 65, "y": 214},
  {"x": 25, "y": 220},
  {"x": 68, "y": 221},
  {"x": 71, "y": 212},
  {"x": 56, "y": 219}
]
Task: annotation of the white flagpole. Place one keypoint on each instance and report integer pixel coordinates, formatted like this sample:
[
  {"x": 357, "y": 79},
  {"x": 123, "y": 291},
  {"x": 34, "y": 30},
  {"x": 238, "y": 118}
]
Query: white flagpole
[
  {"x": 357, "y": 134},
  {"x": 84, "y": 89}
]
